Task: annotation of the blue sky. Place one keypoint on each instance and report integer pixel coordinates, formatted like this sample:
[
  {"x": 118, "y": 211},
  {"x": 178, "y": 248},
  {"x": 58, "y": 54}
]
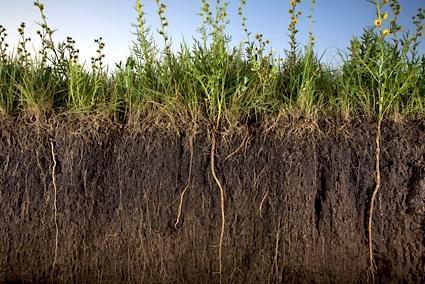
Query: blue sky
[{"x": 336, "y": 22}]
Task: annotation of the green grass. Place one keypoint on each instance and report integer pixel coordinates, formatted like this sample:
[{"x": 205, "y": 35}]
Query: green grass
[{"x": 382, "y": 74}]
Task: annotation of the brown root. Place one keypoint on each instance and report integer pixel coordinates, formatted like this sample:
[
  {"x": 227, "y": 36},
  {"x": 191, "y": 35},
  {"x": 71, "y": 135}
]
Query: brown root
[
  {"x": 189, "y": 179},
  {"x": 243, "y": 144},
  {"x": 55, "y": 208},
  {"x": 260, "y": 209},
  {"x": 222, "y": 196},
  {"x": 372, "y": 267}
]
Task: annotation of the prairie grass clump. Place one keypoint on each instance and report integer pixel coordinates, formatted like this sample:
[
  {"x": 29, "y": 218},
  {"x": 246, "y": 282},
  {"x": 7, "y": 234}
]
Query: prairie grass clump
[
  {"x": 306, "y": 81},
  {"x": 381, "y": 74}
]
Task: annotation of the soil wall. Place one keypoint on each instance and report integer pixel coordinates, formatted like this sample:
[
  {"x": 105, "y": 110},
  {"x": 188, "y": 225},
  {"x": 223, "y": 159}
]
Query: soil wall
[{"x": 80, "y": 205}]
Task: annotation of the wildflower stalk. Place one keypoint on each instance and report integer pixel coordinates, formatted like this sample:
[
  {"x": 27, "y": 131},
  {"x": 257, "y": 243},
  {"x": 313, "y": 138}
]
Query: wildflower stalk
[
  {"x": 294, "y": 14},
  {"x": 311, "y": 39},
  {"x": 417, "y": 20},
  {"x": 205, "y": 14},
  {"x": 97, "y": 60},
  {"x": 378, "y": 77},
  {"x": 242, "y": 4},
  {"x": 143, "y": 47},
  {"x": 3, "y": 45},
  {"x": 46, "y": 35},
  {"x": 163, "y": 28},
  {"x": 396, "y": 9},
  {"x": 23, "y": 53},
  {"x": 392, "y": 80}
]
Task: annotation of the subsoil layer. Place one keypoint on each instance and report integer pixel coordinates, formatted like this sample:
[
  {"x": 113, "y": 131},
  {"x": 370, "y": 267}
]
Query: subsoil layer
[{"x": 84, "y": 205}]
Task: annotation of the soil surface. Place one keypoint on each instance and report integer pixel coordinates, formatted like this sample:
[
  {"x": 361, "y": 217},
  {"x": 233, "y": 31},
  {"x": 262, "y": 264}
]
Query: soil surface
[{"x": 84, "y": 205}]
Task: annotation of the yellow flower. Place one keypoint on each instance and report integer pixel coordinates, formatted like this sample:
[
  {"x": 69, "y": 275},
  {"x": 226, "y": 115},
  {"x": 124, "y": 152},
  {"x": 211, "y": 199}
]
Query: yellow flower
[
  {"x": 385, "y": 1},
  {"x": 293, "y": 2},
  {"x": 294, "y": 21},
  {"x": 378, "y": 23},
  {"x": 385, "y": 16},
  {"x": 386, "y": 32}
]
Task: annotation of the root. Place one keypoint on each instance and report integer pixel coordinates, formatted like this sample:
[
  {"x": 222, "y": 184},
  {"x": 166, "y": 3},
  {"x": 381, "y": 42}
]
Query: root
[
  {"x": 275, "y": 265},
  {"x": 373, "y": 199},
  {"x": 189, "y": 179},
  {"x": 179, "y": 210},
  {"x": 55, "y": 257},
  {"x": 244, "y": 142},
  {"x": 260, "y": 209},
  {"x": 223, "y": 220}
]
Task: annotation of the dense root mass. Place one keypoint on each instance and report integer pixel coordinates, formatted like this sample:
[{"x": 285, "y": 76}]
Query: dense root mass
[{"x": 100, "y": 205}]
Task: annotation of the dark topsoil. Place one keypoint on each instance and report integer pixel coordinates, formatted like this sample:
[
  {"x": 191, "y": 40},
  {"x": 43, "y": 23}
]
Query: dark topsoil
[{"x": 296, "y": 204}]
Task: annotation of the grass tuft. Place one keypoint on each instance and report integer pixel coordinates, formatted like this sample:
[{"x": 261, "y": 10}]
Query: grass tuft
[{"x": 382, "y": 73}]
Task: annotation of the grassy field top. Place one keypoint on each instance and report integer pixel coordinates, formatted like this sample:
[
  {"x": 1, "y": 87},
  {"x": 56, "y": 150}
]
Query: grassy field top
[{"x": 382, "y": 73}]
